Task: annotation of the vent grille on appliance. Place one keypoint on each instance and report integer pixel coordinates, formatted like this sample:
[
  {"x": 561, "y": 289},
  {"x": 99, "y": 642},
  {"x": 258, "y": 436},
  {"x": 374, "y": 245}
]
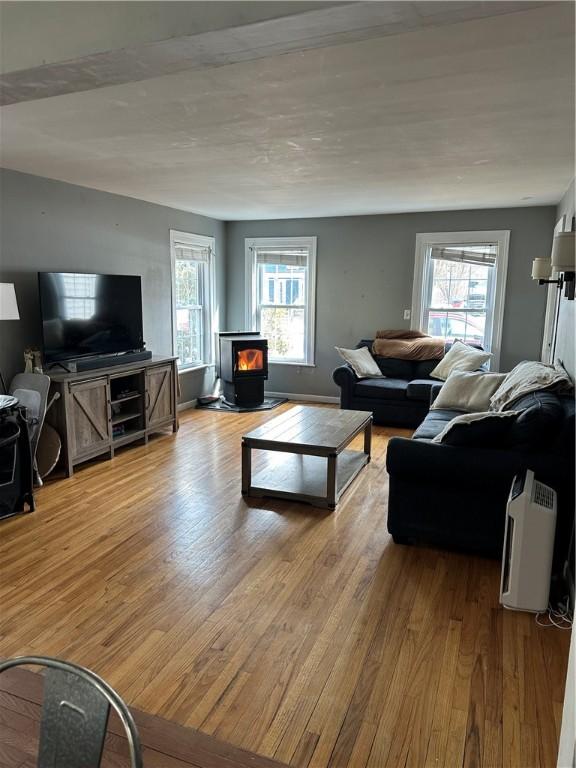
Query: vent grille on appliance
[{"x": 543, "y": 496}]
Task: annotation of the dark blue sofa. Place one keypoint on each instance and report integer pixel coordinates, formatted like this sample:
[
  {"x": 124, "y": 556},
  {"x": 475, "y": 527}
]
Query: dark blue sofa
[
  {"x": 455, "y": 496},
  {"x": 402, "y": 399}
]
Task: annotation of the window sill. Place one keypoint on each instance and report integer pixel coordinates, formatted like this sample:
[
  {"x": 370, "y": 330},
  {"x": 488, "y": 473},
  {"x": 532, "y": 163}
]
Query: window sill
[
  {"x": 290, "y": 362},
  {"x": 191, "y": 368}
]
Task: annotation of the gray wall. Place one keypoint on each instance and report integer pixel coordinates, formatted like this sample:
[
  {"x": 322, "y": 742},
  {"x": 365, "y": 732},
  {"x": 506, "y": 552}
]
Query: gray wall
[
  {"x": 567, "y": 314},
  {"x": 365, "y": 268},
  {"x": 365, "y": 273},
  {"x": 49, "y": 225}
]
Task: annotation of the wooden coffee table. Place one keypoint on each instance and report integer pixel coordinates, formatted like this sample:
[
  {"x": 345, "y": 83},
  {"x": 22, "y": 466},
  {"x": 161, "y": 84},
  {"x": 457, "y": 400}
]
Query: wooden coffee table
[{"x": 312, "y": 464}]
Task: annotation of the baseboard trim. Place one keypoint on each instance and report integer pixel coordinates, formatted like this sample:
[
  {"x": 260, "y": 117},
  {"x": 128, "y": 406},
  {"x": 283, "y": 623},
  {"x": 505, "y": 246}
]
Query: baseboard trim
[
  {"x": 187, "y": 405},
  {"x": 305, "y": 398},
  {"x": 288, "y": 395}
]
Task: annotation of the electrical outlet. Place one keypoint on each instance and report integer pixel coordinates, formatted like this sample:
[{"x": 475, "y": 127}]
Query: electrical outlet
[{"x": 407, "y": 314}]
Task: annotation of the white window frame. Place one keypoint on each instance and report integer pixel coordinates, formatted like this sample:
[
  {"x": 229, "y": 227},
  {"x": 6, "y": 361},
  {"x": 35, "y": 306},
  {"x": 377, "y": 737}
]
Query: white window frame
[
  {"x": 252, "y": 309},
  {"x": 209, "y": 324},
  {"x": 424, "y": 240}
]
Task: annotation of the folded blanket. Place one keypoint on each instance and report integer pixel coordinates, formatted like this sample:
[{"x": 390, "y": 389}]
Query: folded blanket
[
  {"x": 401, "y": 333},
  {"x": 529, "y": 376},
  {"x": 407, "y": 345}
]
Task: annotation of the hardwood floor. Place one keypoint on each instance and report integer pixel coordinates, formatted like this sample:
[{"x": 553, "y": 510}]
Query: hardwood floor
[{"x": 300, "y": 634}]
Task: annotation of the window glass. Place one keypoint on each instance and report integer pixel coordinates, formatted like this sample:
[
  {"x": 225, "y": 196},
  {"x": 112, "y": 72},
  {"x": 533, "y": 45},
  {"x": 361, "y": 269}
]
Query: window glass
[
  {"x": 459, "y": 293},
  {"x": 282, "y": 316},
  {"x": 282, "y": 300},
  {"x": 191, "y": 292}
]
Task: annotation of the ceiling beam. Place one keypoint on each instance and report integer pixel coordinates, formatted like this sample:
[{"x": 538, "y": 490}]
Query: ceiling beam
[{"x": 336, "y": 24}]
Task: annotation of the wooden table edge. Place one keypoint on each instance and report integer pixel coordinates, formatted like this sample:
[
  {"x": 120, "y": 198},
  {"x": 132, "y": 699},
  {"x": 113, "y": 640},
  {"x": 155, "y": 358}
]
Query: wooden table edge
[
  {"x": 178, "y": 741},
  {"x": 282, "y": 446}
]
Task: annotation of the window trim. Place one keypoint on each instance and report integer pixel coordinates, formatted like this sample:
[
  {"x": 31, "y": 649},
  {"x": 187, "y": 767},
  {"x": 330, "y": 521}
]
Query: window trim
[
  {"x": 553, "y": 298},
  {"x": 196, "y": 241},
  {"x": 500, "y": 236},
  {"x": 251, "y": 288}
]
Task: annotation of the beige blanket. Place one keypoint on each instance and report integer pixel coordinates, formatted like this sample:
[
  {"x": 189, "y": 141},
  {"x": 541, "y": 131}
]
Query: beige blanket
[
  {"x": 530, "y": 376},
  {"x": 407, "y": 345},
  {"x": 401, "y": 333}
]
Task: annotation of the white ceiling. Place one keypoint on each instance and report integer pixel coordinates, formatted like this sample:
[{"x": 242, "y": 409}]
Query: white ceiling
[{"x": 469, "y": 114}]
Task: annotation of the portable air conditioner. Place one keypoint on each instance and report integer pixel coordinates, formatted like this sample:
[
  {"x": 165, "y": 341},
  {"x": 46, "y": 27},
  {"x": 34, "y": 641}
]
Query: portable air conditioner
[{"x": 528, "y": 545}]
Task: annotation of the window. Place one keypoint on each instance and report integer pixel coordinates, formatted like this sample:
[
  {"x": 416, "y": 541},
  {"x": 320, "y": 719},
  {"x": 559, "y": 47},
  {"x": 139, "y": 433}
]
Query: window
[
  {"x": 192, "y": 284},
  {"x": 281, "y": 290},
  {"x": 459, "y": 282}
]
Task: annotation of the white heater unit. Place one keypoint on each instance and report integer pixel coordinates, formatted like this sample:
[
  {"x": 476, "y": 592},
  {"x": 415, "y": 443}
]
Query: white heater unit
[{"x": 528, "y": 545}]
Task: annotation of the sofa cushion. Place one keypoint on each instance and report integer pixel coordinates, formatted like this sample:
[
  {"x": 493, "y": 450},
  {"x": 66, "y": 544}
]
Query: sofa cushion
[
  {"x": 433, "y": 424},
  {"x": 540, "y": 417},
  {"x": 423, "y": 368},
  {"x": 394, "y": 368},
  {"x": 419, "y": 389},
  {"x": 484, "y": 429},
  {"x": 382, "y": 389}
]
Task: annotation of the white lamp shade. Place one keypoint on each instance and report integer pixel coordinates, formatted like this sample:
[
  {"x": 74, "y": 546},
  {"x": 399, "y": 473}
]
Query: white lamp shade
[
  {"x": 564, "y": 253},
  {"x": 8, "y": 303},
  {"x": 541, "y": 269}
]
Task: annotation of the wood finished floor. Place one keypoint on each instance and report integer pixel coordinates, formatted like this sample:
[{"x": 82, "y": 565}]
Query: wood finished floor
[{"x": 299, "y": 634}]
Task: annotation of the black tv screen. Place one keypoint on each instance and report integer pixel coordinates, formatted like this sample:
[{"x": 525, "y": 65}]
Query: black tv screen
[{"x": 86, "y": 314}]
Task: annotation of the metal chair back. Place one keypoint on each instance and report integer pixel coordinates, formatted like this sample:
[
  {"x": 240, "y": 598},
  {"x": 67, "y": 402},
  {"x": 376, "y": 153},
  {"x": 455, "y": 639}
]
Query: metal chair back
[{"x": 75, "y": 715}]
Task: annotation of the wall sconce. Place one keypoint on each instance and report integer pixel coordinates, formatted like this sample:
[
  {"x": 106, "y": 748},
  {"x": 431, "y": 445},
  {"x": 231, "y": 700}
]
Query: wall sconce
[{"x": 562, "y": 263}]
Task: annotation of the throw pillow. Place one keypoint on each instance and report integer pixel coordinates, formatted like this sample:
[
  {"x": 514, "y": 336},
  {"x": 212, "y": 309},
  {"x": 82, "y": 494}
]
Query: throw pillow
[
  {"x": 361, "y": 361},
  {"x": 467, "y": 391},
  {"x": 482, "y": 430},
  {"x": 460, "y": 357}
]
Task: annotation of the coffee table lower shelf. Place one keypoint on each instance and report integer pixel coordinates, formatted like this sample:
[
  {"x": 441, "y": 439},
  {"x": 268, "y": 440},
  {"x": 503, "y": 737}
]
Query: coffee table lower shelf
[{"x": 305, "y": 478}]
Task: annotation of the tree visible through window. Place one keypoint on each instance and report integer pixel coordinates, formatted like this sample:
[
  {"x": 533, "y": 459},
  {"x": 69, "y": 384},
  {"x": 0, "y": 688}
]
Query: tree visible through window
[
  {"x": 191, "y": 296},
  {"x": 282, "y": 316},
  {"x": 189, "y": 311},
  {"x": 281, "y": 296},
  {"x": 459, "y": 281},
  {"x": 460, "y": 288}
]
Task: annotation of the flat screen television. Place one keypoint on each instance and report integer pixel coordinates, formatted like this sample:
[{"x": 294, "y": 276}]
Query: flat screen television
[{"x": 88, "y": 315}]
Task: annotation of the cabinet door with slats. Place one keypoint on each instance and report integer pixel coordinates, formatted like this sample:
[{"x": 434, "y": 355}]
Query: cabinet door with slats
[
  {"x": 160, "y": 405},
  {"x": 90, "y": 417}
]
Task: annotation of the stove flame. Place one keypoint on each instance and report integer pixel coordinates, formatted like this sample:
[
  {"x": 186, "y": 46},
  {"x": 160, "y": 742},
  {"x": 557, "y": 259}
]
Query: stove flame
[{"x": 249, "y": 360}]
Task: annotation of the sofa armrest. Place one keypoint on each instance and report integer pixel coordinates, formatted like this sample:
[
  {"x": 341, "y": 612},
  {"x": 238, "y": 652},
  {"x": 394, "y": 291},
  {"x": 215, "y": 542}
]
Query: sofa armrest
[
  {"x": 434, "y": 391},
  {"x": 345, "y": 378}
]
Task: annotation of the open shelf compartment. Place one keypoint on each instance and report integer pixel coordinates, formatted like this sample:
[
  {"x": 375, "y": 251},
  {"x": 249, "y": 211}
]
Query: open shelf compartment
[{"x": 127, "y": 406}]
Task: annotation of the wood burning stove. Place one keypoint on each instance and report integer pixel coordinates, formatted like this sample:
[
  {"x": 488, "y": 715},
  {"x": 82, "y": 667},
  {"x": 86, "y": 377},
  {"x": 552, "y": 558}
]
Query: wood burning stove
[{"x": 243, "y": 367}]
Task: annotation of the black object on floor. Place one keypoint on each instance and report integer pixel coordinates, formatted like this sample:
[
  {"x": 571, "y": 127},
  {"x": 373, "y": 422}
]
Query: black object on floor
[
  {"x": 16, "y": 479},
  {"x": 222, "y": 405}
]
